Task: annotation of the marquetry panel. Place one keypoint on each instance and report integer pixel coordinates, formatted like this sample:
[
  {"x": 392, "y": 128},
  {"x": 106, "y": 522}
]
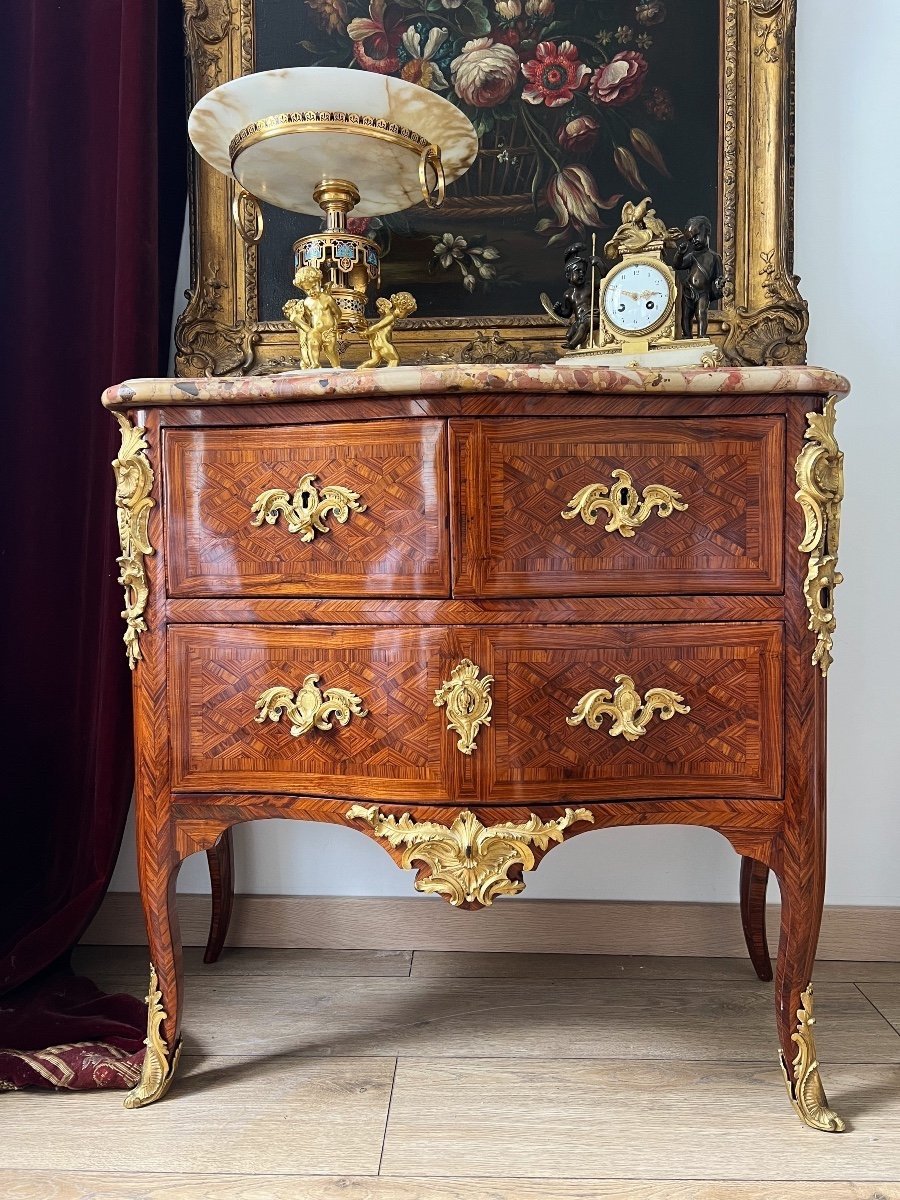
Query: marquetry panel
[
  {"x": 729, "y": 744},
  {"x": 218, "y": 673},
  {"x": 514, "y": 478},
  {"x": 397, "y": 546}
]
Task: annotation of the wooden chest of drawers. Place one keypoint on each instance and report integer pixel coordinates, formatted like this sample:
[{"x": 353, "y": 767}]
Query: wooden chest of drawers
[{"x": 473, "y": 611}]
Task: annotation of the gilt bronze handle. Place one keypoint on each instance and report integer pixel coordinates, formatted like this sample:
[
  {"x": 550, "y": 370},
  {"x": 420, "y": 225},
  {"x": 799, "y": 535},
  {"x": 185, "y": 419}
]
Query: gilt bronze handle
[
  {"x": 630, "y": 716},
  {"x": 247, "y": 216},
  {"x": 311, "y": 708},
  {"x": 308, "y": 508},
  {"x": 433, "y": 193},
  {"x": 626, "y": 509}
]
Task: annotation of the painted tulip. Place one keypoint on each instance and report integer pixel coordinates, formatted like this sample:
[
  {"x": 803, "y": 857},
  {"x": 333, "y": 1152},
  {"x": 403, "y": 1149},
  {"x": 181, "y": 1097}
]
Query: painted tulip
[{"x": 579, "y": 134}]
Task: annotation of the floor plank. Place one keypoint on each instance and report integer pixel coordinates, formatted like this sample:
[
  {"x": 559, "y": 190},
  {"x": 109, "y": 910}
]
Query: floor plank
[
  {"x": 485, "y": 965},
  {"x": 886, "y": 998},
  {"x": 248, "y": 1115},
  {"x": 580, "y": 1018},
  {"x": 129, "y": 962},
  {"x": 518, "y": 1077},
  {"x": 636, "y": 1120},
  {"x": 45, "y": 1185}
]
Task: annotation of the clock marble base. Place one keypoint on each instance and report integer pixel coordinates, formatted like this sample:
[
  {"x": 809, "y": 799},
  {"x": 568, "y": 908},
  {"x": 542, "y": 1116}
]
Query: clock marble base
[{"x": 698, "y": 352}]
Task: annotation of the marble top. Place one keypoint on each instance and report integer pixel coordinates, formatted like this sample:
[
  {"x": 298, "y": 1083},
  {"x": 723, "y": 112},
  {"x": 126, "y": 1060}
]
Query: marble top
[{"x": 297, "y": 386}]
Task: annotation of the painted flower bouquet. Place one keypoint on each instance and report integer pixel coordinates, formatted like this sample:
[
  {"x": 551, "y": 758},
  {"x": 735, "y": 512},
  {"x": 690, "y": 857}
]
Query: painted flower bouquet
[{"x": 556, "y": 89}]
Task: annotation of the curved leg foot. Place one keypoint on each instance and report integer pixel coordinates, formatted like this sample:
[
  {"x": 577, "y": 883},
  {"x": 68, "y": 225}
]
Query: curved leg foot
[
  {"x": 159, "y": 1065},
  {"x": 802, "y": 885},
  {"x": 221, "y": 877},
  {"x": 754, "y": 878},
  {"x": 163, "y": 1041}
]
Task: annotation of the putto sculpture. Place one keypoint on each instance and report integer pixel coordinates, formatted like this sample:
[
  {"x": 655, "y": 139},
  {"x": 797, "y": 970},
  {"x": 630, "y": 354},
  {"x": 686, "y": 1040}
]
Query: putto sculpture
[
  {"x": 705, "y": 282},
  {"x": 316, "y": 319}
]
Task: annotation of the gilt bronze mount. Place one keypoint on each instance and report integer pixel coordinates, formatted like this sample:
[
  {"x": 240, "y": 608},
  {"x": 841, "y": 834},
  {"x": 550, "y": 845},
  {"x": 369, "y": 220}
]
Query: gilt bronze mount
[{"x": 466, "y": 862}]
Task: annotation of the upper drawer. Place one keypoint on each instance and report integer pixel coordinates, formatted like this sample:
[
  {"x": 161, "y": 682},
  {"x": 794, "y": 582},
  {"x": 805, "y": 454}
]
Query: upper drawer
[
  {"x": 594, "y": 507},
  {"x": 340, "y": 510}
]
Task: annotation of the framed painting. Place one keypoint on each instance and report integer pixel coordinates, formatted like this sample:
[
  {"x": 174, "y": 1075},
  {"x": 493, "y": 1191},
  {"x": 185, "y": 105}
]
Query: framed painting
[{"x": 579, "y": 106}]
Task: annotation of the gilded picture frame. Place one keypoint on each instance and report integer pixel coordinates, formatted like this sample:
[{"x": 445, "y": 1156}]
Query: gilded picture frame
[{"x": 762, "y": 317}]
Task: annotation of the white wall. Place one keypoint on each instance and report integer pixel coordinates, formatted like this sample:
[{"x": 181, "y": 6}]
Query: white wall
[{"x": 847, "y": 181}]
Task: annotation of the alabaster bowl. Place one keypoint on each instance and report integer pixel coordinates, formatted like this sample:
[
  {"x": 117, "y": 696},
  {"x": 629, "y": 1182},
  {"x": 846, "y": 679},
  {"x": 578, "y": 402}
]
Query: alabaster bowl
[{"x": 281, "y": 133}]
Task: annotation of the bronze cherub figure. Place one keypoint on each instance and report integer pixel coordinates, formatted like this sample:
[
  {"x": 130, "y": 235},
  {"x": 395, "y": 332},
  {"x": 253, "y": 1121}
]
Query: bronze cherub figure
[
  {"x": 705, "y": 282},
  {"x": 582, "y": 273}
]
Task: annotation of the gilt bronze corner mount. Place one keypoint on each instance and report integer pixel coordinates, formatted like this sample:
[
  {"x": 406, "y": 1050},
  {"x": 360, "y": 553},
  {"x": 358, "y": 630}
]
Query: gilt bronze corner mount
[
  {"x": 160, "y": 1062},
  {"x": 820, "y": 490},
  {"x": 804, "y": 1083}
]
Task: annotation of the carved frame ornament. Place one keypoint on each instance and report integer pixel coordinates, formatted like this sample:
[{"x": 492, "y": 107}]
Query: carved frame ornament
[{"x": 762, "y": 319}]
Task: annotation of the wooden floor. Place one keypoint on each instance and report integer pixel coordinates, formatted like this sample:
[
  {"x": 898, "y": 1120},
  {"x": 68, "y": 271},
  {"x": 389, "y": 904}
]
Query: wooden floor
[{"x": 362, "y": 1075}]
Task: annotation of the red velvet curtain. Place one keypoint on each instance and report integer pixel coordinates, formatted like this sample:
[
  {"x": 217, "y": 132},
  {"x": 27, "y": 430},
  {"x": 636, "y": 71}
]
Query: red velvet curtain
[{"x": 95, "y": 171}]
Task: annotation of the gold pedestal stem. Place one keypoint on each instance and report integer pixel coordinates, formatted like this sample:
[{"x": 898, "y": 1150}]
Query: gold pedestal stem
[{"x": 336, "y": 197}]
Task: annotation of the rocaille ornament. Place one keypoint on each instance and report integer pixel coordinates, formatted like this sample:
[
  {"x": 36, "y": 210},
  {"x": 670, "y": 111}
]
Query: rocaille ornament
[{"x": 291, "y": 137}]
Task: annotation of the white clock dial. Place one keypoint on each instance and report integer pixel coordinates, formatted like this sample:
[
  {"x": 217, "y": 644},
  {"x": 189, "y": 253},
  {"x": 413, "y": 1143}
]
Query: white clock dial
[{"x": 636, "y": 298}]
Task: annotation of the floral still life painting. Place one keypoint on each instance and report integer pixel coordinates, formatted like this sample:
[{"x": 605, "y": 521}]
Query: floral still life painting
[{"x": 579, "y": 105}]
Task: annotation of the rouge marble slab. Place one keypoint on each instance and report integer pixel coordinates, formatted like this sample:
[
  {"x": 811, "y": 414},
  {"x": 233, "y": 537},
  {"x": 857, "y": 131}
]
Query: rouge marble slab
[{"x": 299, "y": 386}]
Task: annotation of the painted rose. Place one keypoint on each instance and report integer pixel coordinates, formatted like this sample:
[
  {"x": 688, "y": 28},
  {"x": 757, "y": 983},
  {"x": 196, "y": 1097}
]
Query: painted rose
[
  {"x": 575, "y": 200},
  {"x": 554, "y": 74},
  {"x": 579, "y": 134},
  {"x": 376, "y": 39},
  {"x": 540, "y": 8},
  {"x": 485, "y": 72},
  {"x": 619, "y": 80},
  {"x": 509, "y": 10}
]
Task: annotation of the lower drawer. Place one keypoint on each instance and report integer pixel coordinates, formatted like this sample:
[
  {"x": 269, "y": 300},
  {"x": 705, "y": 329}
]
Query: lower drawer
[{"x": 574, "y": 713}]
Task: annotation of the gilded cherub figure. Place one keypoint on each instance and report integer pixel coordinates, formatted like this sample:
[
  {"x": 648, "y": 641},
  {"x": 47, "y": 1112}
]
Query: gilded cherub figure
[
  {"x": 380, "y": 333},
  {"x": 316, "y": 319},
  {"x": 705, "y": 283}
]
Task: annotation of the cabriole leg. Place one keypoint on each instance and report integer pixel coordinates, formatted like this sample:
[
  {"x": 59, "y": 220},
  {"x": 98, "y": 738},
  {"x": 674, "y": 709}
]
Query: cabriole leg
[
  {"x": 163, "y": 1041},
  {"x": 801, "y": 878},
  {"x": 754, "y": 878},
  {"x": 221, "y": 879}
]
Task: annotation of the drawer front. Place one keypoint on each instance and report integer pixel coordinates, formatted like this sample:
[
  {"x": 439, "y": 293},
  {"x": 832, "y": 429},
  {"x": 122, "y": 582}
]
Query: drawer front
[
  {"x": 327, "y": 510},
  {"x": 235, "y": 699},
  {"x": 527, "y": 715},
  {"x": 618, "y": 507},
  {"x": 634, "y": 684}
]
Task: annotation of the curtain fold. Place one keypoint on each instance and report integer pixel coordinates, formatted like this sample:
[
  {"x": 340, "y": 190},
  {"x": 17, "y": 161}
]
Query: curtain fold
[{"x": 89, "y": 258}]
